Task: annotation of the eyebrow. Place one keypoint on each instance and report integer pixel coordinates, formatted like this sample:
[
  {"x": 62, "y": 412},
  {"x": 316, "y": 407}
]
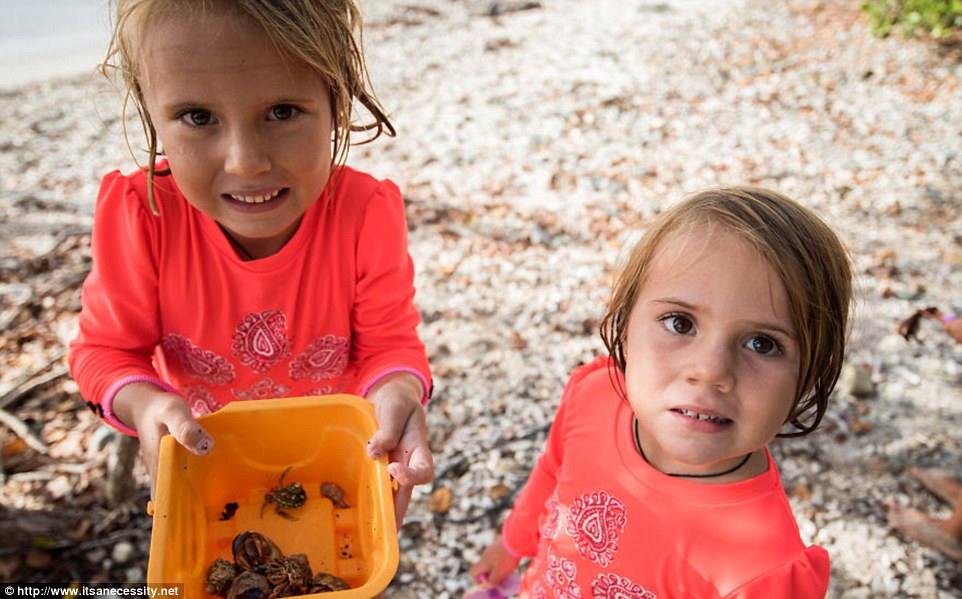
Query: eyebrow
[{"x": 762, "y": 325}]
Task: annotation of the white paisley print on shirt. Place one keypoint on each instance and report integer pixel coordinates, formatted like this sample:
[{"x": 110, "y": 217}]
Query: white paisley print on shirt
[
  {"x": 552, "y": 521},
  {"x": 197, "y": 361},
  {"x": 560, "y": 576},
  {"x": 612, "y": 586},
  {"x": 262, "y": 389},
  {"x": 595, "y": 522},
  {"x": 200, "y": 400},
  {"x": 326, "y": 358},
  {"x": 261, "y": 340}
]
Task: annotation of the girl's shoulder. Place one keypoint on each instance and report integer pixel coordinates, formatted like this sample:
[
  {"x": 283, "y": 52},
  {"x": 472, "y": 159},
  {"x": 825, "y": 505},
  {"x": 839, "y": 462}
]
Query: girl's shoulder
[
  {"x": 599, "y": 371},
  {"x": 118, "y": 187},
  {"x": 120, "y": 190},
  {"x": 357, "y": 188},
  {"x": 591, "y": 385},
  {"x": 805, "y": 577}
]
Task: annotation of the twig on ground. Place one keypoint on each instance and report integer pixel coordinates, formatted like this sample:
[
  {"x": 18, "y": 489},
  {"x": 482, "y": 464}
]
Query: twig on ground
[
  {"x": 36, "y": 379},
  {"x": 23, "y": 431}
]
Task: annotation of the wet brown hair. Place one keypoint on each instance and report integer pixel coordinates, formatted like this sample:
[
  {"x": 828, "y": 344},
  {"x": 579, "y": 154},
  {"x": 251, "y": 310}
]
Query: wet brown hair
[
  {"x": 808, "y": 257},
  {"x": 324, "y": 34}
]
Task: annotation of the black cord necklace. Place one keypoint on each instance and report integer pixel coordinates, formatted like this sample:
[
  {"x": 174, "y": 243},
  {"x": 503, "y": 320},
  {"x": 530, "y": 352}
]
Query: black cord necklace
[{"x": 637, "y": 438}]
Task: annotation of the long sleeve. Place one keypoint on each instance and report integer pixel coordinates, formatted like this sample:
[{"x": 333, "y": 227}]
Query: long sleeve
[
  {"x": 522, "y": 528},
  {"x": 119, "y": 324},
  {"x": 384, "y": 319}
]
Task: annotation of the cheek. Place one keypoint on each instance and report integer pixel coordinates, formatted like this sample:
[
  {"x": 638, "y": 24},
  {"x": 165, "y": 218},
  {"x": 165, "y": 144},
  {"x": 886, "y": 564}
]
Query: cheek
[{"x": 783, "y": 387}]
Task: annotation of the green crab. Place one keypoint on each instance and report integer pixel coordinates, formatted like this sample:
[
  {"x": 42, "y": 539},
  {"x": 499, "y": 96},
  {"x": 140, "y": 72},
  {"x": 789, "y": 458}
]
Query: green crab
[{"x": 285, "y": 497}]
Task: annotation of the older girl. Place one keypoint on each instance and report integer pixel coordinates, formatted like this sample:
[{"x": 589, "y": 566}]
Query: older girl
[{"x": 246, "y": 261}]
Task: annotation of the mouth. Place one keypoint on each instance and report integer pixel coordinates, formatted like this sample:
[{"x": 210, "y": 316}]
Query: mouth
[
  {"x": 256, "y": 198},
  {"x": 701, "y": 416},
  {"x": 257, "y": 201}
]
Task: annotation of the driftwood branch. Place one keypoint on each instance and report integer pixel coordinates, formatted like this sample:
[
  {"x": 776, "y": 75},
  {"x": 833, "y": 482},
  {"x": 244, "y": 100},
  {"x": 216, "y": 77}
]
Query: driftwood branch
[{"x": 36, "y": 379}]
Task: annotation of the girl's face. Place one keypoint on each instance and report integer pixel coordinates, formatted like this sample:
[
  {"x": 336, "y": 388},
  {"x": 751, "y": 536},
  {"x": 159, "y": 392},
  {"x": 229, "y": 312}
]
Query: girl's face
[
  {"x": 247, "y": 132},
  {"x": 712, "y": 357}
]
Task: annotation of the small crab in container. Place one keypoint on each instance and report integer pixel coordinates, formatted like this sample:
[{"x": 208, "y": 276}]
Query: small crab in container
[{"x": 285, "y": 497}]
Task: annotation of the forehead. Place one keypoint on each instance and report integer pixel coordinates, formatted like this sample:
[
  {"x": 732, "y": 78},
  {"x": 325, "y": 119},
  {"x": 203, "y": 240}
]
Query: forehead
[
  {"x": 215, "y": 37},
  {"x": 714, "y": 267},
  {"x": 210, "y": 44},
  {"x": 191, "y": 34}
]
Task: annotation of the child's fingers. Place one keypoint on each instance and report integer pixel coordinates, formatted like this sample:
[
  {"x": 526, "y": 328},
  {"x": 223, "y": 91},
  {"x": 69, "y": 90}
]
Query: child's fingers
[
  {"x": 480, "y": 572},
  {"x": 188, "y": 433},
  {"x": 402, "y": 499},
  {"x": 383, "y": 441},
  {"x": 494, "y": 565},
  {"x": 412, "y": 466},
  {"x": 394, "y": 419}
]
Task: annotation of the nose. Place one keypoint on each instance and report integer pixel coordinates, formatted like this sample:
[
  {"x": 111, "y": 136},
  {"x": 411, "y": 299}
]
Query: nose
[
  {"x": 245, "y": 154},
  {"x": 713, "y": 365}
]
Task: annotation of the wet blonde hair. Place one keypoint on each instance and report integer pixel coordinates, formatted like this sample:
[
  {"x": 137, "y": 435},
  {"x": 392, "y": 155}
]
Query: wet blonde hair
[
  {"x": 808, "y": 257},
  {"x": 324, "y": 34}
]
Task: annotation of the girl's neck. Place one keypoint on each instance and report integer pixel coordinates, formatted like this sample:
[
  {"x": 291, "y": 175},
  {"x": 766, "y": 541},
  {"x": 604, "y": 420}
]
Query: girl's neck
[
  {"x": 736, "y": 470},
  {"x": 255, "y": 249}
]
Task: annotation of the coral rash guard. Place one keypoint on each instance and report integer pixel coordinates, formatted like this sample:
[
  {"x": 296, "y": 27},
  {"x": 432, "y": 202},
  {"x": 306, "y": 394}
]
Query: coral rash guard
[
  {"x": 599, "y": 521},
  {"x": 169, "y": 301}
]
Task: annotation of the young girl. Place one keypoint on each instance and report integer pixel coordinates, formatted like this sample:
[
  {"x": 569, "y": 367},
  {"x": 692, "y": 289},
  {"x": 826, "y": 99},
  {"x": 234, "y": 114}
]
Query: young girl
[
  {"x": 727, "y": 322},
  {"x": 249, "y": 262}
]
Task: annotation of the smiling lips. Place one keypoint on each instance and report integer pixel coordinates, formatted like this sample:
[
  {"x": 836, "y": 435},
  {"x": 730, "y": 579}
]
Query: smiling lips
[{"x": 256, "y": 198}]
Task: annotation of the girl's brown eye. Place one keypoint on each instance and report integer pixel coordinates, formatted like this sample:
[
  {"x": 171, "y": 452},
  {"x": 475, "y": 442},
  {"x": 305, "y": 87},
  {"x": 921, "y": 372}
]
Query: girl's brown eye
[
  {"x": 765, "y": 346},
  {"x": 675, "y": 323},
  {"x": 283, "y": 112},
  {"x": 196, "y": 118}
]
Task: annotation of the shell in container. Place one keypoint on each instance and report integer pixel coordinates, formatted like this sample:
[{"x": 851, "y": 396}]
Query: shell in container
[{"x": 203, "y": 502}]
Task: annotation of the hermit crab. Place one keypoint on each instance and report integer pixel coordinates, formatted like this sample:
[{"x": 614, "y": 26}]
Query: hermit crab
[
  {"x": 289, "y": 575},
  {"x": 253, "y": 551},
  {"x": 261, "y": 571},
  {"x": 285, "y": 497},
  {"x": 325, "y": 583},
  {"x": 249, "y": 585},
  {"x": 335, "y": 493},
  {"x": 220, "y": 576}
]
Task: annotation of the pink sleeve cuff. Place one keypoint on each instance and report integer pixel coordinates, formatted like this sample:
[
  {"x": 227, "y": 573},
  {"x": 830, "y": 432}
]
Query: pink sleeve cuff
[
  {"x": 107, "y": 402},
  {"x": 424, "y": 382},
  {"x": 507, "y": 547}
]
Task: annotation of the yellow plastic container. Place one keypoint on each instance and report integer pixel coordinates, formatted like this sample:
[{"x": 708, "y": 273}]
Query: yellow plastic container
[{"x": 321, "y": 439}]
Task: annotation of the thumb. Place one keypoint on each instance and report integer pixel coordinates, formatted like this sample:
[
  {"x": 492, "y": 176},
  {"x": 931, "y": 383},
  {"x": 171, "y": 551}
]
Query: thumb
[
  {"x": 186, "y": 431},
  {"x": 388, "y": 434},
  {"x": 383, "y": 441}
]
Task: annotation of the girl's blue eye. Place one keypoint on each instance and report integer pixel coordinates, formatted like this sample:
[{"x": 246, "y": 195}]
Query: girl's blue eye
[
  {"x": 765, "y": 346},
  {"x": 283, "y": 112},
  {"x": 197, "y": 118},
  {"x": 678, "y": 324}
]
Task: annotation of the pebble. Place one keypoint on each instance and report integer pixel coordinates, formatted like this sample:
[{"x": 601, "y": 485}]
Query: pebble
[{"x": 122, "y": 552}]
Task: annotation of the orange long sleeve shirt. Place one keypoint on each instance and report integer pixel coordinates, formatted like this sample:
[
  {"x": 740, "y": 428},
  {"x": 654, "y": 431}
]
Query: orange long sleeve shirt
[
  {"x": 169, "y": 301},
  {"x": 599, "y": 521}
]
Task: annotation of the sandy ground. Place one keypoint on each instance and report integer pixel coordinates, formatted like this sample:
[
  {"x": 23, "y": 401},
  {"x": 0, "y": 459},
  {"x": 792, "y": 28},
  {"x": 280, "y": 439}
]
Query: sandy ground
[{"x": 533, "y": 147}]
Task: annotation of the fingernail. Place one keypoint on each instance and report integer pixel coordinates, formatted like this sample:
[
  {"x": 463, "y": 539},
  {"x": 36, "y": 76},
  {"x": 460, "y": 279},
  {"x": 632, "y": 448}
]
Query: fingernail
[{"x": 204, "y": 446}]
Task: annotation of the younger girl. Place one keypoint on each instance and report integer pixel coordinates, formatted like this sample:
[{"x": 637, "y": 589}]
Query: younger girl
[
  {"x": 727, "y": 322},
  {"x": 249, "y": 262}
]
